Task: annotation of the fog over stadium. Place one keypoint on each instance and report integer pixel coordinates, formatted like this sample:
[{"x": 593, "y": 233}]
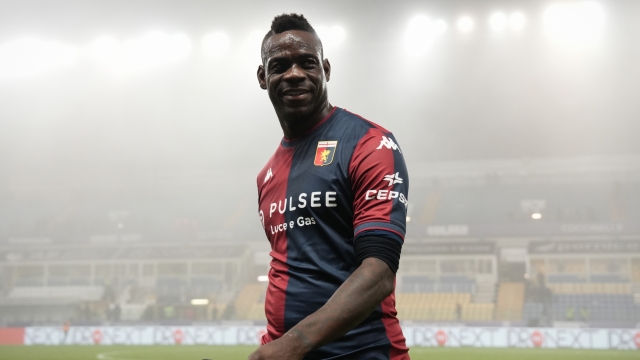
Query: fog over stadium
[{"x": 132, "y": 132}]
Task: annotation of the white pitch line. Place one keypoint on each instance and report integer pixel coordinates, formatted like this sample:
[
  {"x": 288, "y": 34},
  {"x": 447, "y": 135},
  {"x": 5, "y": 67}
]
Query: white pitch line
[{"x": 111, "y": 356}]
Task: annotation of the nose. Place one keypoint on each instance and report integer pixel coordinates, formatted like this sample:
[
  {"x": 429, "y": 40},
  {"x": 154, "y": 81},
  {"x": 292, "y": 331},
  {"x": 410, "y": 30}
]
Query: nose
[{"x": 294, "y": 74}]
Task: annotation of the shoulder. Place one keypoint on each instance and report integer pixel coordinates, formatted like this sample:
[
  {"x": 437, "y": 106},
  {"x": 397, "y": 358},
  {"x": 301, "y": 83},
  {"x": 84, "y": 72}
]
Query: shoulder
[
  {"x": 370, "y": 134},
  {"x": 361, "y": 122},
  {"x": 359, "y": 131}
]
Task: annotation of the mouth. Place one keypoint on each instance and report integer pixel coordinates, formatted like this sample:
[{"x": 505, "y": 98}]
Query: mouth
[{"x": 296, "y": 94}]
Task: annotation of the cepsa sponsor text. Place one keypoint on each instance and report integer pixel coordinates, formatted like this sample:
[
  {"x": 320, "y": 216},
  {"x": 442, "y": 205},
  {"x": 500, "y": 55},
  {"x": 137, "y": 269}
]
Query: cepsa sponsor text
[{"x": 386, "y": 195}]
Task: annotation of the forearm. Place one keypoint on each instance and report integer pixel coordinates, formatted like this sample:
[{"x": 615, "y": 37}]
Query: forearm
[{"x": 354, "y": 300}]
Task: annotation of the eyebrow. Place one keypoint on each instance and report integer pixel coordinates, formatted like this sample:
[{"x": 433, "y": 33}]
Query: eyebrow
[{"x": 276, "y": 59}]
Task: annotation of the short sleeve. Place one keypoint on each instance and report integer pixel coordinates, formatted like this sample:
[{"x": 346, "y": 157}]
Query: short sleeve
[{"x": 380, "y": 185}]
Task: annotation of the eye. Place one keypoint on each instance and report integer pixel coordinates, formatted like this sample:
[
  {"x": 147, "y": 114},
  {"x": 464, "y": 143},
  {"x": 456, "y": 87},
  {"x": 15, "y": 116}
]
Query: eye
[
  {"x": 278, "y": 67},
  {"x": 310, "y": 63}
]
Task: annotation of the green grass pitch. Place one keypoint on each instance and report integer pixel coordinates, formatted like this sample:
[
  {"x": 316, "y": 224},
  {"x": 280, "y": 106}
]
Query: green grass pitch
[{"x": 241, "y": 353}]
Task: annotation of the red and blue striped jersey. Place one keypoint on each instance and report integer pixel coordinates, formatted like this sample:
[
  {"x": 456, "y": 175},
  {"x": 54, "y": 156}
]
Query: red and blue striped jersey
[{"x": 345, "y": 178}]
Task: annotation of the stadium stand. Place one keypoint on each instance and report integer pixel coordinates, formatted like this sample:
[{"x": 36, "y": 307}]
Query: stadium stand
[
  {"x": 442, "y": 307},
  {"x": 256, "y": 312},
  {"x": 599, "y": 307},
  {"x": 590, "y": 288},
  {"x": 449, "y": 193},
  {"x": 501, "y": 204},
  {"x": 510, "y": 302},
  {"x": 164, "y": 256},
  {"x": 57, "y": 293},
  {"x": 532, "y": 312},
  {"x": 144, "y": 210},
  {"x": 171, "y": 289},
  {"x": 112, "y": 282},
  {"x": 478, "y": 312},
  {"x": 443, "y": 284},
  {"x": 430, "y": 306},
  {"x": 249, "y": 304},
  {"x": 447, "y": 281},
  {"x": 587, "y": 302}
]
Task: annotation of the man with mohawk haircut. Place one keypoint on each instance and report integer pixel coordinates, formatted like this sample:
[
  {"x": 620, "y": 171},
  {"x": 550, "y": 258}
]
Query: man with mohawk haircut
[{"x": 333, "y": 204}]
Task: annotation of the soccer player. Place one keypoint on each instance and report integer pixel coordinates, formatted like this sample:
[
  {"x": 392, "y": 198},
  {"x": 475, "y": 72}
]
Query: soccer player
[
  {"x": 332, "y": 201},
  {"x": 65, "y": 331}
]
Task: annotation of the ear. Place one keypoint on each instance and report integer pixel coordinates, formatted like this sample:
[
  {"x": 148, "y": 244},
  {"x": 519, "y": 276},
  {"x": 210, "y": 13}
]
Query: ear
[
  {"x": 326, "y": 65},
  {"x": 262, "y": 77}
]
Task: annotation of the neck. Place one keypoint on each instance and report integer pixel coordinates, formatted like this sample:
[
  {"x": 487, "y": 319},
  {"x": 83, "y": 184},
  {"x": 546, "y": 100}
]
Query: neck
[{"x": 296, "y": 126}]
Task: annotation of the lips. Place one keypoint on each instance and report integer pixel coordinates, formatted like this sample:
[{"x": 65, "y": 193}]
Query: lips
[{"x": 295, "y": 94}]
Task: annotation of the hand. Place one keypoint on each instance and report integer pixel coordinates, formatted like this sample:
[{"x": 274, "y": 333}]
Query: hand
[{"x": 285, "y": 348}]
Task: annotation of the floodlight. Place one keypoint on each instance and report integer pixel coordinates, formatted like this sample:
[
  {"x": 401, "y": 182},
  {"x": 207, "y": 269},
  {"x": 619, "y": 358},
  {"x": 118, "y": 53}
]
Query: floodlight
[
  {"x": 215, "y": 45},
  {"x": 575, "y": 23},
  {"x": 465, "y": 24},
  {"x": 30, "y": 56},
  {"x": 440, "y": 26},
  {"x": 516, "y": 21},
  {"x": 200, "y": 302},
  {"x": 154, "y": 49},
  {"x": 420, "y": 34},
  {"x": 263, "y": 278},
  {"x": 536, "y": 216},
  {"x": 498, "y": 21}
]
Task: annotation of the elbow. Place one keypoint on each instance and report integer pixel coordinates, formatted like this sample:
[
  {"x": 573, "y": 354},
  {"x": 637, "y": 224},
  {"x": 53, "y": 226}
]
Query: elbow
[
  {"x": 381, "y": 277},
  {"x": 388, "y": 284}
]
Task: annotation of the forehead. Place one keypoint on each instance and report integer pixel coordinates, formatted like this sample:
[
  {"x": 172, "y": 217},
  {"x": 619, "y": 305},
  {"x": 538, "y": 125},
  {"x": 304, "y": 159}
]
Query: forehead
[{"x": 291, "y": 43}]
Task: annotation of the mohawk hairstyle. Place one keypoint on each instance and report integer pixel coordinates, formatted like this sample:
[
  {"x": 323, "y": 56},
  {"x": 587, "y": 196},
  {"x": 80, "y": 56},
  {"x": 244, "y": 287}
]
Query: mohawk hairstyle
[{"x": 286, "y": 22}]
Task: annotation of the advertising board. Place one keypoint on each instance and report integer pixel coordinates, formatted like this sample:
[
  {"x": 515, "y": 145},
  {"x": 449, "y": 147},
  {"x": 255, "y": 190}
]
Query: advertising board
[{"x": 416, "y": 335}]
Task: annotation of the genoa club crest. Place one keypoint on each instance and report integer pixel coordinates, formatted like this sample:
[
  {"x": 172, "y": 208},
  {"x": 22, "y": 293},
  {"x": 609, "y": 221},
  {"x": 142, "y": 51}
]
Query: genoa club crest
[{"x": 324, "y": 153}]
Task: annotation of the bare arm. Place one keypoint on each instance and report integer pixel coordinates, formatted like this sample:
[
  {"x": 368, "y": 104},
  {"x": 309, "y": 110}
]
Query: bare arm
[{"x": 354, "y": 300}]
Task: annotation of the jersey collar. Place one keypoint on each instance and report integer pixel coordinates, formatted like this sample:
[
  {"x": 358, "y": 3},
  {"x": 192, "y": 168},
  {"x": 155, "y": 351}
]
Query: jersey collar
[{"x": 300, "y": 139}]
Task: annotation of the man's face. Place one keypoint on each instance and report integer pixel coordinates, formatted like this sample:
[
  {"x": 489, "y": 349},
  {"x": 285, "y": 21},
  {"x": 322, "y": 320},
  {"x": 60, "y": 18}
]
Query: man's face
[{"x": 294, "y": 73}]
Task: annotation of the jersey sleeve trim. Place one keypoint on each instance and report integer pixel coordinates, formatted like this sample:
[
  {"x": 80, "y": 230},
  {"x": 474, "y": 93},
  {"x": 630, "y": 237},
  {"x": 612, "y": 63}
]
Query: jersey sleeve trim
[{"x": 380, "y": 226}]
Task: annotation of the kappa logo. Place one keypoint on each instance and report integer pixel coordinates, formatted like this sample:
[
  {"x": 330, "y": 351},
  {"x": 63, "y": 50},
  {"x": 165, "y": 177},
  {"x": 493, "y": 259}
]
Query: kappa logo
[
  {"x": 325, "y": 152},
  {"x": 389, "y": 144},
  {"x": 268, "y": 176},
  {"x": 393, "y": 179}
]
